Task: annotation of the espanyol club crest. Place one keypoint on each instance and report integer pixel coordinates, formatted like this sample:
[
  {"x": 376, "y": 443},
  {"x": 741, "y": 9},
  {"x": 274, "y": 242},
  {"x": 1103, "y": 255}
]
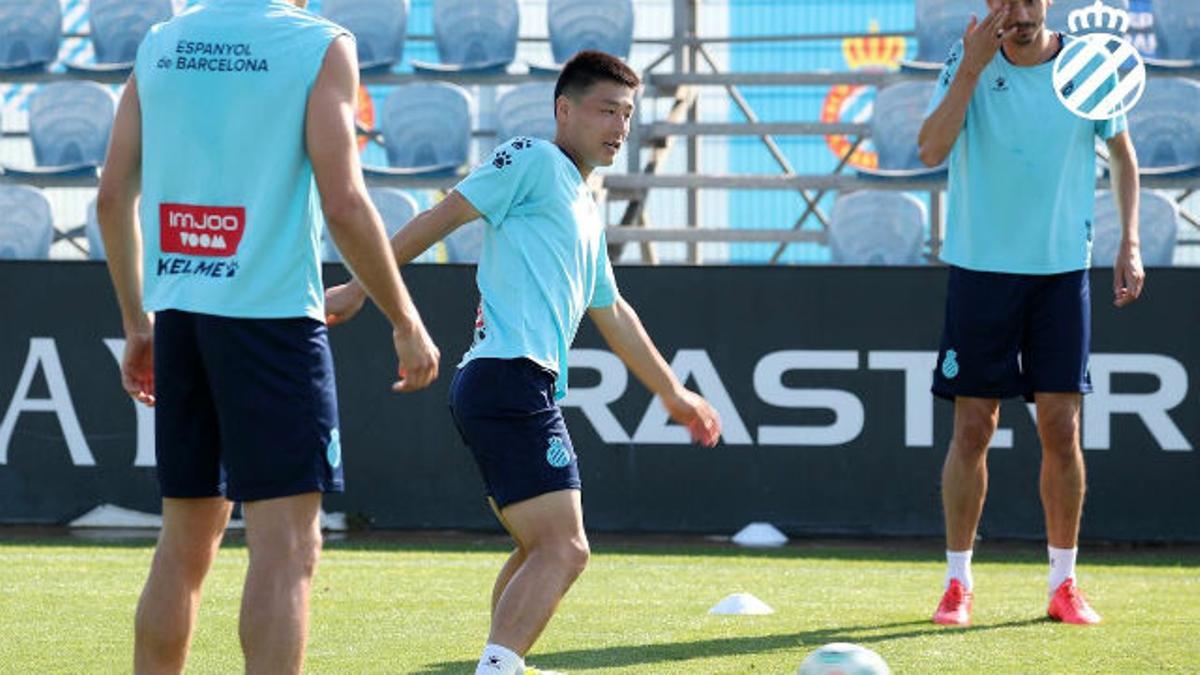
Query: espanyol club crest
[{"x": 1099, "y": 74}]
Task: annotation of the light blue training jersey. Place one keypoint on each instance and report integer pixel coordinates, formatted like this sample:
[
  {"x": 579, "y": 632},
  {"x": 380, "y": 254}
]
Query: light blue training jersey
[
  {"x": 1022, "y": 173},
  {"x": 230, "y": 214},
  {"x": 544, "y": 260}
]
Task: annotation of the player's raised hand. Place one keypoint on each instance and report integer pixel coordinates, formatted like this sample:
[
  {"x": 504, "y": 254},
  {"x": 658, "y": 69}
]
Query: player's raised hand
[
  {"x": 697, "y": 415},
  {"x": 418, "y": 356},
  {"x": 982, "y": 39},
  {"x": 342, "y": 302},
  {"x": 1128, "y": 275}
]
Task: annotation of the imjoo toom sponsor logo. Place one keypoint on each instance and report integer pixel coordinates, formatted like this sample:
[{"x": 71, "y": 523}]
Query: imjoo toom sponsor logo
[{"x": 212, "y": 231}]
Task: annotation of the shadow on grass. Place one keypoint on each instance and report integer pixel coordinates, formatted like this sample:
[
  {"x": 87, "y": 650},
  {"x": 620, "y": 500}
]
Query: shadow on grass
[{"x": 634, "y": 655}]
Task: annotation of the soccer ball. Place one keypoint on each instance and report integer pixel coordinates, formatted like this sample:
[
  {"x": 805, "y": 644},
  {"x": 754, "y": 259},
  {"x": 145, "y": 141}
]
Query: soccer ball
[{"x": 841, "y": 658}]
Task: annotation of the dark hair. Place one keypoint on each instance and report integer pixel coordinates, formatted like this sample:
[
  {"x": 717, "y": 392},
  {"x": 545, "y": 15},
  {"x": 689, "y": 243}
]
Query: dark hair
[{"x": 589, "y": 67}]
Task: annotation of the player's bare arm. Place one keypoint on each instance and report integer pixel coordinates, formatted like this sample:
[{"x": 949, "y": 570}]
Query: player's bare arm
[
  {"x": 623, "y": 331},
  {"x": 116, "y": 209},
  {"x": 1128, "y": 274},
  {"x": 981, "y": 41},
  {"x": 342, "y": 302},
  {"x": 353, "y": 221}
]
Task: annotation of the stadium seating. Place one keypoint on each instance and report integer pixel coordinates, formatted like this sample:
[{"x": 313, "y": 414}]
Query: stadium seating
[
  {"x": 939, "y": 24},
  {"x": 526, "y": 110},
  {"x": 117, "y": 28},
  {"x": 26, "y": 224},
  {"x": 896, "y": 122},
  {"x": 877, "y": 228},
  {"x": 379, "y": 26},
  {"x": 465, "y": 244},
  {"x": 576, "y": 25},
  {"x": 396, "y": 207},
  {"x": 30, "y": 34},
  {"x": 91, "y": 228},
  {"x": 473, "y": 36},
  {"x": 1158, "y": 221},
  {"x": 1058, "y": 16},
  {"x": 69, "y": 125},
  {"x": 426, "y": 130},
  {"x": 1165, "y": 127},
  {"x": 1177, "y": 26}
]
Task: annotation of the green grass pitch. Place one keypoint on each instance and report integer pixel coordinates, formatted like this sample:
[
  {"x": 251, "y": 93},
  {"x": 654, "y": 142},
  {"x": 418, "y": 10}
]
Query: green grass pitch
[{"x": 420, "y": 606}]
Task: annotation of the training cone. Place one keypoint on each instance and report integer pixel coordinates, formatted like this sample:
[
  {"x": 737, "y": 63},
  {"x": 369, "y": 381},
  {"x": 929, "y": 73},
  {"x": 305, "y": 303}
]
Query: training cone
[
  {"x": 760, "y": 534},
  {"x": 741, "y": 604}
]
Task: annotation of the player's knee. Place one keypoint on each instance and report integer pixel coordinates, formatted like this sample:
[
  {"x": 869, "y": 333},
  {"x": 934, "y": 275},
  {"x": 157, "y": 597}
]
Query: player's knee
[
  {"x": 292, "y": 553},
  {"x": 973, "y": 434},
  {"x": 572, "y": 555},
  {"x": 1059, "y": 434}
]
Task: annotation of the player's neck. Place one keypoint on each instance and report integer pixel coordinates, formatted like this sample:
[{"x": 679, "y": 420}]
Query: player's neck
[
  {"x": 1043, "y": 48},
  {"x": 584, "y": 170}
]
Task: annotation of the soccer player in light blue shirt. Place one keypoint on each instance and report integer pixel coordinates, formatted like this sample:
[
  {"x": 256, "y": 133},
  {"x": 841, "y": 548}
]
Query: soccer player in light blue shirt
[
  {"x": 544, "y": 264},
  {"x": 1018, "y": 242}
]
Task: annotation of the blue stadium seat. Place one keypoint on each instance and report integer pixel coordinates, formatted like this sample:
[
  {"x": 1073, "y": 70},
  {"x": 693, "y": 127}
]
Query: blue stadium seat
[
  {"x": 117, "y": 28},
  {"x": 1177, "y": 27},
  {"x": 69, "y": 125},
  {"x": 939, "y": 24},
  {"x": 1058, "y": 16},
  {"x": 877, "y": 228},
  {"x": 92, "y": 229},
  {"x": 30, "y": 34},
  {"x": 473, "y": 36},
  {"x": 526, "y": 110},
  {"x": 896, "y": 122},
  {"x": 1158, "y": 221},
  {"x": 576, "y": 25},
  {"x": 426, "y": 130},
  {"x": 26, "y": 224},
  {"x": 396, "y": 207},
  {"x": 379, "y": 27},
  {"x": 465, "y": 244},
  {"x": 1165, "y": 127}
]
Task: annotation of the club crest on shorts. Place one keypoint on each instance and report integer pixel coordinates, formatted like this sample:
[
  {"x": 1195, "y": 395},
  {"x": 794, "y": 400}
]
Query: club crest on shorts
[
  {"x": 950, "y": 364},
  {"x": 557, "y": 454},
  {"x": 333, "y": 451},
  {"x": 1099, "y": 54}
]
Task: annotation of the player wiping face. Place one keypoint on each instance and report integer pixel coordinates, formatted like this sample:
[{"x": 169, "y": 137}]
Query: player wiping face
[{"x": 1018, "y": 21}]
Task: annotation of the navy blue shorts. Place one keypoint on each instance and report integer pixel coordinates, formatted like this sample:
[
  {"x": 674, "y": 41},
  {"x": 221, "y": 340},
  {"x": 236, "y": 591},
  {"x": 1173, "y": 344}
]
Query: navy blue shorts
[
  {"x": 505, "y": 411},
  {"x": 246, "y": 408},
  {"x": 1009, "y": 335}
]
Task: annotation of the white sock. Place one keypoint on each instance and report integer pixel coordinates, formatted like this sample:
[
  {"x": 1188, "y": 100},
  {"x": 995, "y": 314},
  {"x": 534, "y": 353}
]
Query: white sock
[
  {"x": 959, "y": 567},
  {"x": 1062, "y": 565},
  {"x": 497, "y": 660}
]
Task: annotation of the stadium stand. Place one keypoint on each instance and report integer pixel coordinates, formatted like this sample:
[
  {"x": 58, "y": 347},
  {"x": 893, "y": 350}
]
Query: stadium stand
[
  {"x": 939, "y": 24},
  {"x": 576, "y": 25},
  {"x": 426, "y": 130},
  {"x": 526, "y": 110},
  {"x": 69, "y": 125},
  {"x": 30, "y": 34},
  {"x": 1057, "y": 17},
  {"x": 1158, "y": 220},
  {"x": 1177, "y": 25},
  {"x": 877, "y": 228},
  {"x": 379, "y": 27},
  {"x": 117, "y": 28},
  {"x": 464, "y": 244},
  {"x": 897, "y": 118},
  {"x": 1165, "y": 127},
  {"x": 26, "y": 223},
  {"x": 396, "y": 207},
  {"x": 473, "y": 36},
  {"x": 91, "y": 228}
]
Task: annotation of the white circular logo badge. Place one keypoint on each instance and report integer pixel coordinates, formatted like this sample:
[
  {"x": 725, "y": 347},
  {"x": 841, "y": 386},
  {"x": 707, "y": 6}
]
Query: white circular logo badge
[{"x": 1100, "y": 74}]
